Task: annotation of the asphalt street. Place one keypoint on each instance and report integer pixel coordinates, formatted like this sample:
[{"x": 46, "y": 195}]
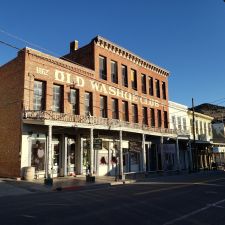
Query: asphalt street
[{"x": 196, "y": 199}]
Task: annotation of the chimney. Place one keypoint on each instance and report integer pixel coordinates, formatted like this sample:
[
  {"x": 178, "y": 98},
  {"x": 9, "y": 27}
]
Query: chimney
[{"x": 73, "y": 46}]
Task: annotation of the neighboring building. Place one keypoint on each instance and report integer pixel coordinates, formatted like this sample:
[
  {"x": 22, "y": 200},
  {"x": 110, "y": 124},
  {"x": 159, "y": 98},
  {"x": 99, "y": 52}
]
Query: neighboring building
[
  {"x": 179, "y": 121},
  {"x": 201, "y": 139},
  {"x": 107, "y": 116},
  {"x": 218, "y": 130}
]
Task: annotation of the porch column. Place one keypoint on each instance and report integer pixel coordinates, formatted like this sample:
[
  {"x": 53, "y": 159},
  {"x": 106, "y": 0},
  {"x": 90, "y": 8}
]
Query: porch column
[
  {"x": 48, "y": 171},
  {"x": 190, "y": 157},
  {"x": 80, "y": 141},
  {"x": 65, "y": 165},
  {"x": 143, "y": 154},
  {"x": 91, "y": 152},
  {"x": 121, "y": 155},
  {"x": 178, "y": 154},
  {"x": 162, "y": 153}
]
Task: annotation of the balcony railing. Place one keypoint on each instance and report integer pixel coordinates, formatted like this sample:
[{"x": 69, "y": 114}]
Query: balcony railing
[{"x": 90, "y": 120}]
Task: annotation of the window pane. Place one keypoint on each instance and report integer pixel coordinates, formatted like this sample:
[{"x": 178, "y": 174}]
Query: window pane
[
  {"x": 164, "y": 90},
  {"x": 143, "y": 83},
  {"x": 39, "y": 95},
  {"x": 157, "y": 88},
  {"x": 134, "y": 79},
  {"x": 124, "y": 76},
  {"x": 114, "y": 72},
  {"x": 125, "y": 111},
  {"x": 135, "y": 113},
  {"x": 115, "y": 111},
  {"x": 165, "y": 119},
  {"x": 152, "y": 117},
  {"x": 74, "y": 100},
  {"x": 159, "y": 118},
  {"x": 102, "y": 68},
  {"x": 57, "y": 98},
  {"x": 145, "y": 115},
  {"x": 151, "y": 86},
  {"x": 103, "y": 106},
  {"x": 88, "y": 104}
]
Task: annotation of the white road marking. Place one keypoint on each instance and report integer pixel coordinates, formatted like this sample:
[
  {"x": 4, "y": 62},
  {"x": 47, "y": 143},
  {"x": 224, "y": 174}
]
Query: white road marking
[
  {"x": 215, "y": 204},
  {"x": 28, "y": 216}
]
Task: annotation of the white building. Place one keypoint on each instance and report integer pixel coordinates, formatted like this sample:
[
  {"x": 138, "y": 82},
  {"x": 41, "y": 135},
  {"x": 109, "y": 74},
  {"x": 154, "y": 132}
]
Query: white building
[
  {"x": 179, "y": 121},
  {"x": 201, "y": 139}
]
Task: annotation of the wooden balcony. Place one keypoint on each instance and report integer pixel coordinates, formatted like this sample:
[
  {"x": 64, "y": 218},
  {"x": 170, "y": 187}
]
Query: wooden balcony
[{"x": 79, "y": 120}]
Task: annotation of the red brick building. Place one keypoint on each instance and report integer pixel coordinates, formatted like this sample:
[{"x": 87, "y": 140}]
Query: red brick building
[{"x": 100, "y": 109}]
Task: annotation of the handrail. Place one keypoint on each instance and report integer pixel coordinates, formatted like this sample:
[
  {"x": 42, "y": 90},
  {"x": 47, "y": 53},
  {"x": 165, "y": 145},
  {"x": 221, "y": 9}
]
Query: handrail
[{"x": 90, "y": 120}]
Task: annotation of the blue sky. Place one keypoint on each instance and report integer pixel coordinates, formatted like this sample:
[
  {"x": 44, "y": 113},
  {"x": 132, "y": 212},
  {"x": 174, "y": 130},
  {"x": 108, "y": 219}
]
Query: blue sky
[{"x": 185, "y": 37}]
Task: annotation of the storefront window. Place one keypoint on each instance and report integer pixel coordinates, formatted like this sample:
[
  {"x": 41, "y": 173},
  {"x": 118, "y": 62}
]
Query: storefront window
[{"x": 38, "y": 154}]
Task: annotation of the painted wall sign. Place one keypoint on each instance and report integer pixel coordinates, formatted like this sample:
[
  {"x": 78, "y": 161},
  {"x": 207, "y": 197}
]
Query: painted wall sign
[{"x": 97, "y": 86}]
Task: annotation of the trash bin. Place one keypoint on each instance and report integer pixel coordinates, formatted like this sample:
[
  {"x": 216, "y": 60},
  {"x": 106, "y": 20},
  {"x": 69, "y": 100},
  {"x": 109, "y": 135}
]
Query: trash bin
[
  {"x": 29, "y": 173},
  {"x": 90, "y": 178}
]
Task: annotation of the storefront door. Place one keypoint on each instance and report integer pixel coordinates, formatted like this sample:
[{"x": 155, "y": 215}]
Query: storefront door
[{"x": 38, "y": 150}]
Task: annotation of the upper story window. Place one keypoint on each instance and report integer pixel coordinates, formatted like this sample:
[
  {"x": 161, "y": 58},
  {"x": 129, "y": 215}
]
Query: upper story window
[
  {"x": 74, "y": 100},
  {"x": 179, "y": 122},
  {"x": 143, "y": 83},
  {"x": 164, "y": 90},
  {"x": 125, "y": 116},
  {"x": 196, "y": 126},
  {"x": 159, "y": 115},
  {"x": 39, "y": 100},
  {"x": 88, "y": 106},
  {"x": 134, "y": 79},
  {"x": 145, "y": 115},
  {"x": 205, "y": 129},
  {"x": 209, "y": 129},
  {"x": 57, "y": 98},
  {"x": 165, "y": 119},
  {"x": 157, "y": 88},
  {"x": 191, "y": 126},
  {"x": 151, "y": 86},
  {"x": 114, "y": 72},
  {"x": 115, "y": 108},
  {"x": 152, "y": 111},
  {"x": 135, "y": 113},
  {"x": 102, "y": 68},
  {"x": 103, "y": 106},
  {"x": 174, "y": 122},
  {"x": 201, "y": 128},
  {"x": 124, "y": 76},
  {"x": 184, "y": 124}
]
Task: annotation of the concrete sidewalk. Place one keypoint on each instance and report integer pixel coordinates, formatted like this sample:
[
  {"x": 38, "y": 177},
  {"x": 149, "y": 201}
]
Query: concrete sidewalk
[
  {"x": 17, "y": 187},
  {"x": 14, "y": 187}
]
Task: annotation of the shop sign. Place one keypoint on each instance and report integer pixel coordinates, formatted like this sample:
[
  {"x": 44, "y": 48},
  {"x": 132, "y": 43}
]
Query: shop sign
[{"x": 97, "y": 144}]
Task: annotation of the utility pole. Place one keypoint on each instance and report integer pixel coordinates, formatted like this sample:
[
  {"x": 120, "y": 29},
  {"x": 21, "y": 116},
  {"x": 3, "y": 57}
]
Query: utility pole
[{"x": 195, "y": 154}]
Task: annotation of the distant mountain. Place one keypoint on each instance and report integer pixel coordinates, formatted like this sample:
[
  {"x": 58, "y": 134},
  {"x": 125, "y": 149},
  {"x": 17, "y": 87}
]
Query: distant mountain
[{"x": 216, "y": 111}]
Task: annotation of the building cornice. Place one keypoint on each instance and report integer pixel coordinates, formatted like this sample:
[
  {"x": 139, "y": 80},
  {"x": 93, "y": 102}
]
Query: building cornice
[
  {"x": 110, "y": 46},
  {"x": 60, "y": 62}
]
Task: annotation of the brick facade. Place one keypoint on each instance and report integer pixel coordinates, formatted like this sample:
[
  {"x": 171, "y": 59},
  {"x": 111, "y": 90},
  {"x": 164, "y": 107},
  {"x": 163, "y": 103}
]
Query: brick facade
[{"x": 80, "y": 70}]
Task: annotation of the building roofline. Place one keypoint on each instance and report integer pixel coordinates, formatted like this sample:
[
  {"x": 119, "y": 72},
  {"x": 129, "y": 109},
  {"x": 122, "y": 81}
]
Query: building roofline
[
  {"x": 61, "y": 62},
  {"x": 176, "y": 104},
  {"x": 109, "y": 45},
  {"x": 201, "y": 114}
]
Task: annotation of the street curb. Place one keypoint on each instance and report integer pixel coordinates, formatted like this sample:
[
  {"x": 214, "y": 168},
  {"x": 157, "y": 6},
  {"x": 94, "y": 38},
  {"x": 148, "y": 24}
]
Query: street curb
[
  {"x": 93, "y": 186},
  {"x": 81, "y": 187}
]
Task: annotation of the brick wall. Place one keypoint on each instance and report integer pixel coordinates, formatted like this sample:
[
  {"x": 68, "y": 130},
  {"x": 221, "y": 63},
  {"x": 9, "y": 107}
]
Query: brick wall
[{"x": 11, "y": 95}]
